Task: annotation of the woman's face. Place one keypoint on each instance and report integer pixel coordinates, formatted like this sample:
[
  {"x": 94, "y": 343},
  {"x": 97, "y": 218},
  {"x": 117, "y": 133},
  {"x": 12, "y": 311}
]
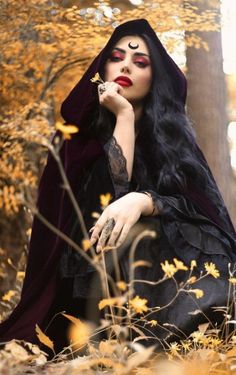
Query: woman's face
[{"x": 129, "y": 65}]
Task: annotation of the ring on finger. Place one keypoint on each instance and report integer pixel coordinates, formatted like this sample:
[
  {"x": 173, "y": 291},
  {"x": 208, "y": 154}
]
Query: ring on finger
[
  {"x": 102, "y": 88},
  {"x": 107, "y": 229}
]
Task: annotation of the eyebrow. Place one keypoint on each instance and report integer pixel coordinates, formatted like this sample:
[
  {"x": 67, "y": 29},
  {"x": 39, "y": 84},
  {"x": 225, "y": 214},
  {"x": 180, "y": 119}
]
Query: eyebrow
[{"x": 136, "y": 53}]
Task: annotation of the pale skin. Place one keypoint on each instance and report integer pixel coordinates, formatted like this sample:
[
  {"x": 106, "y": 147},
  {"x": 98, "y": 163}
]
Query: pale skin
[{"x": 126, "y": 103}]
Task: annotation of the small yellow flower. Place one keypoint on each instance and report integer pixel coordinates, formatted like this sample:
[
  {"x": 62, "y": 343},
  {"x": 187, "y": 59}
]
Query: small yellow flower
[
  {"x": 198, "y": 292},
  {"x": 232, "y": 280},
  {"x": 105, "y": 199},
  {"x": 139, "y": 305},
  {"x": 212, "y": 270},
  {"x": 66, "y": 130},
  {"x": 121, "y": 285},
  {"x": 180, "y": 265},
  {"x": 97, "y": 79},
  {"x": 86, "y": 244},
  {"x": 153, "y": 323},
  {"x": 193, "y": 264},
  {"x": 168, "y": 268}
]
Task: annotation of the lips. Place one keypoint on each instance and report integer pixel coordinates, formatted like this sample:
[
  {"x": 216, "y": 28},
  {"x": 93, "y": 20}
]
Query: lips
[{"x": 124, "y": 81}]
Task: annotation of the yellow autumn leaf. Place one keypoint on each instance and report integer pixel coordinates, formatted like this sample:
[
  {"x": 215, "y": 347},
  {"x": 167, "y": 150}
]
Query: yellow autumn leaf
[
  {"x": 114, "y": 301},
  {"x": 8, "y": 296},
  {"x": 66, "y": 130},
  {"x": 79, "y": 332},
  {"x": 72, "y": 319},
  {"x": 86, "y": 244},
  {"x": 105, "y": 199},
  {"x": 97, "y": 79},
  {"x": 44, "y": 339},
  {"x": 121, "y": 285}
]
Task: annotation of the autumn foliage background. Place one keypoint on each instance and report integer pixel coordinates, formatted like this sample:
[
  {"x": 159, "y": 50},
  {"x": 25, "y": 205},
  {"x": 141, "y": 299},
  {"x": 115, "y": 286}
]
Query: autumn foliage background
[{"x": 45, "y": 48}]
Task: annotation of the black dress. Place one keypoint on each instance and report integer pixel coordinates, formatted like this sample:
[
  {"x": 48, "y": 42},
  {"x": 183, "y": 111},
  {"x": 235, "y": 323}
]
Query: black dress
[{"x": 183, "y": 232}]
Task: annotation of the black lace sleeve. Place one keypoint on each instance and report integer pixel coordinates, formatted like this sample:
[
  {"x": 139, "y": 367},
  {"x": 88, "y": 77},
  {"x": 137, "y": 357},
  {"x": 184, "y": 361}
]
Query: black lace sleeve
[{"x": 117, "y": 167}]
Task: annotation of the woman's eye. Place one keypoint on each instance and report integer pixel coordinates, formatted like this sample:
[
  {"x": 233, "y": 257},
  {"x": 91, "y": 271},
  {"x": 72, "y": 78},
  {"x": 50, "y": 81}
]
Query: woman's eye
[
  {"x": 115, "y": 58},
  {"x": 141, "y": 64}
]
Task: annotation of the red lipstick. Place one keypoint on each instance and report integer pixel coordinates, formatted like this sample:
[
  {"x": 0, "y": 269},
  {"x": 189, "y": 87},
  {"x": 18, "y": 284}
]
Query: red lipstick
[{"x": 124, "y": 81}]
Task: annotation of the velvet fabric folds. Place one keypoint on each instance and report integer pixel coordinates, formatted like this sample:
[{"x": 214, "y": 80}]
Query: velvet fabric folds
[{"x": 192, "y": 222}]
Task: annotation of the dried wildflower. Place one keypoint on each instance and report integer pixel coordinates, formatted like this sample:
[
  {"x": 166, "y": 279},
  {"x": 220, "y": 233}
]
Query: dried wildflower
[
  {"x": 198, "y": 336},
  {"x": 212, "y": 270},
  {"x": 193, "y": 264},
  {"x": 214, "y": 342},
  {"x": 105, "y": 199},
  {"x": 192, "y": 280},
  {"x": 174, "y": 348},
  {"x": 232, "y": 280},
  {"x": 97, "y": 79},
  {"x": 180, "y": 265},
  {"x": 66, "y": 130},
  {"x": 139, "y": 305},
  {"x": 153, "y": 323},
  {"x": 198, "y": 292},
  {"x": 121, "y": 285},
  {"x": 86, "y": 244},
  {"x": 186, "y": 344},
  {"x": 168, "y": 268}
]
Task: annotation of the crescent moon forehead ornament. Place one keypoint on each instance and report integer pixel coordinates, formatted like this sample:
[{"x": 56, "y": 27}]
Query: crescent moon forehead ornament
[{"x": 134, "y": 46}]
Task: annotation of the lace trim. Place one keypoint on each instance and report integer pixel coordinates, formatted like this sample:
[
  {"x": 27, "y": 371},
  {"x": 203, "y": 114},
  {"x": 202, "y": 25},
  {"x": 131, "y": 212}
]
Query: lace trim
[
  {"x": 158, "y": 207},
  {"x": 118, "y": 169}
]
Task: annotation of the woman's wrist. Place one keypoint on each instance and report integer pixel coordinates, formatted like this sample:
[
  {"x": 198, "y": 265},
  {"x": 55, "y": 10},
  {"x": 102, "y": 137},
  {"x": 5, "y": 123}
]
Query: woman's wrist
[
  {"x": 146, "y": 203},
  {"x": 126, "y": 113}
]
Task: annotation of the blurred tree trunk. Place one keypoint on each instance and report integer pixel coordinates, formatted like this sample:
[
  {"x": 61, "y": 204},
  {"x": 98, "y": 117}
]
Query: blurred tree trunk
[{"x": 206, "y": 106}]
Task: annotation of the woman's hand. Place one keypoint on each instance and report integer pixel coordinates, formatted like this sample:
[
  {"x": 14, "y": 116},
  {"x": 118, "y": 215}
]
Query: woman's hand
[
  {"x": 113, "y": 100},
  {"x": 125, "y": 211}
]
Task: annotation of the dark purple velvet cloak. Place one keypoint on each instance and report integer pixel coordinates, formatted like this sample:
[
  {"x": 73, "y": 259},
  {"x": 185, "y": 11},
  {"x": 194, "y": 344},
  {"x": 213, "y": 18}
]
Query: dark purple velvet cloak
[{"x": 77, "y": 155}]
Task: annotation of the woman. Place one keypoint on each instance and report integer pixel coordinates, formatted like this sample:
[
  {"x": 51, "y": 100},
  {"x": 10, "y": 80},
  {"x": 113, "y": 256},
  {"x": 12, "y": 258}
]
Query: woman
[{"x": 135, "y": 142}]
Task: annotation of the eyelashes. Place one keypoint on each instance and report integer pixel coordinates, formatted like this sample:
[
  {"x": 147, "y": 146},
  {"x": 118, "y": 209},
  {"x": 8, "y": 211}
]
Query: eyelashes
[{"x": 139, "y": 61}]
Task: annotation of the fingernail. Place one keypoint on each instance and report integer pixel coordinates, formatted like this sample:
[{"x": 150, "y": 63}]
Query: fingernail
[{"x": 99, "y": 248}]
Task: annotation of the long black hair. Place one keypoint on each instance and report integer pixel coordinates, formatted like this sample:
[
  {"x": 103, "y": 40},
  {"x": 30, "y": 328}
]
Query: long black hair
[{"x": 164, "y": 155}]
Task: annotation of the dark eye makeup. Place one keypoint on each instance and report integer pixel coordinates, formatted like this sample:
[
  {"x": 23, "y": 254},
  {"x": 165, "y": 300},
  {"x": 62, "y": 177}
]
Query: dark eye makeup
[{"x": 139, "y": 61}]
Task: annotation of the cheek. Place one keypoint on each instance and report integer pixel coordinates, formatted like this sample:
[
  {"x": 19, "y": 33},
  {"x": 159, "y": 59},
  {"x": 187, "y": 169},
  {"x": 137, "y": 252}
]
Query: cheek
[{"x": 145, "y": 81}]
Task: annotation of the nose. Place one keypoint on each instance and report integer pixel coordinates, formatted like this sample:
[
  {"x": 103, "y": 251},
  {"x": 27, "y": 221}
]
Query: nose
[{"x": 125, "y": 68}]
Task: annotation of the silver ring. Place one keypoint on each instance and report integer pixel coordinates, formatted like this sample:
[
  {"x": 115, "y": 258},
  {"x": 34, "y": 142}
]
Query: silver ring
[
  {"x": 101, "y": 88},
  {"x": 109, "y": 225}
]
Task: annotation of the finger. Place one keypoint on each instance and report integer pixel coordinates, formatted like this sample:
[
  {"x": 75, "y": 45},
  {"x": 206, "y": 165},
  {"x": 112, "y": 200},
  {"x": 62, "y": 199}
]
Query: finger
[
  {"x": 123, "y": 235},
  {"x": 97, "y": 229},
  {"x": 102, "y": 240},
  {"x": 115, "y": 233}
]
